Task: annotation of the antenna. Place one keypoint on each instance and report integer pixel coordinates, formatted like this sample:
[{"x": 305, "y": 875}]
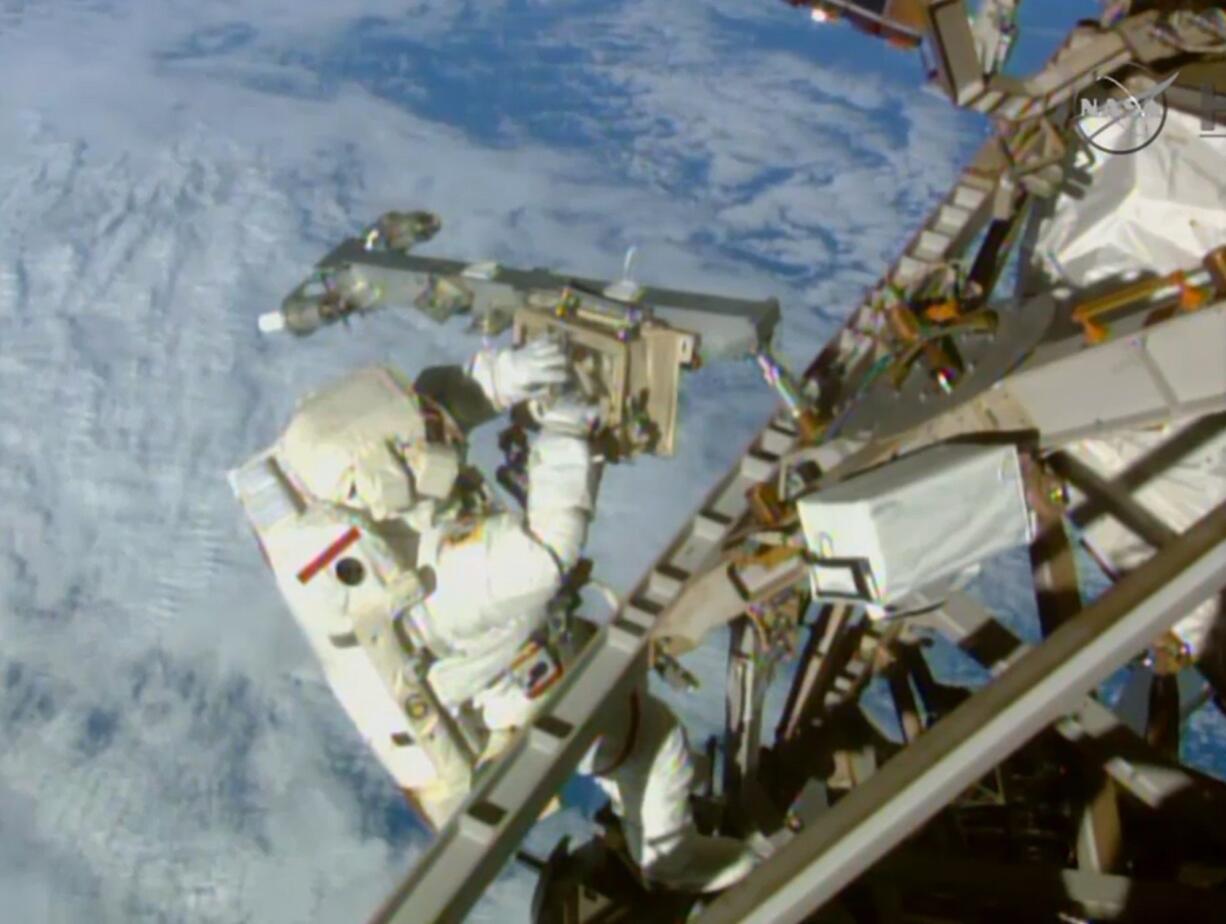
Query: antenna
[{"x": 625, "y": 289}]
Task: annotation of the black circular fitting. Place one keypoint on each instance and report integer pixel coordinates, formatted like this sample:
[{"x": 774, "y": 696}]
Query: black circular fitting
[{"x": 350, "y": 572}]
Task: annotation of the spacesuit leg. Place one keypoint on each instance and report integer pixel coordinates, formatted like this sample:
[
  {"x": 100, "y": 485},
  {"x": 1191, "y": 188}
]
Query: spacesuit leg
[{"x": 643, "y": 764}]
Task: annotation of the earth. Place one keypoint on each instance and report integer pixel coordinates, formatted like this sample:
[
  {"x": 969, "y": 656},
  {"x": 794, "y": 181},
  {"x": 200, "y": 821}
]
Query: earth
[{"x": 168, "y": 172}]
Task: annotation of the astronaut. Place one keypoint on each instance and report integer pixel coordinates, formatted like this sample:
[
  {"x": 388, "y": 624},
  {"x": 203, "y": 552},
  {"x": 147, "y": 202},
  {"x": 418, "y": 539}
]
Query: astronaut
[{"x": 486, "y": 576}]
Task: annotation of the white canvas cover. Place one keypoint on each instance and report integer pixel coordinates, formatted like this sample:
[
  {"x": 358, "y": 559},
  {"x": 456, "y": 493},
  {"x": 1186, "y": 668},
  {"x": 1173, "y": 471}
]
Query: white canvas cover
[
  {"x": 882, "y": 535},
  {"x": 1158, "y": 209}
]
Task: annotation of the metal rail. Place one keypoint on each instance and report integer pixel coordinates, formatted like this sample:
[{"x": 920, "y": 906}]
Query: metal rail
[
  {"x": 996, "y": 721},
  {"x": 401, "y": 277},
  {"x": 1074, "y": 68},
  {"x": 1135, "y": 766}
]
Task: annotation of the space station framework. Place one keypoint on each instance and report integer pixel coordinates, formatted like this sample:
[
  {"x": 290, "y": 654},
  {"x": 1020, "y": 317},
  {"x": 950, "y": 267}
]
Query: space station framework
[{"x": 927, "y": 362}]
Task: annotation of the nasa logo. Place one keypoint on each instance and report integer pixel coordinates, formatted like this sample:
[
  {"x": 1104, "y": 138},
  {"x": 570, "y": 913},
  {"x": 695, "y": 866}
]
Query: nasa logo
[{"x": 1114, "y": 119}]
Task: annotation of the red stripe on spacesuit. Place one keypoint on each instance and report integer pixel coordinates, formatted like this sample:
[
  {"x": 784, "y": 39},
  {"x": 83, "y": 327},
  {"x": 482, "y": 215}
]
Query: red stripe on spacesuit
[{"x": 328, "y": 555}]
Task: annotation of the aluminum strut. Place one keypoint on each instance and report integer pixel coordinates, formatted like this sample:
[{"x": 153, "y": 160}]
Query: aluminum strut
[
  {"x": 442, "y": 287},
  {"x": 1149, "y": 777},
  {"x": 1074, "y": 67},
  {"x": 992, "y": 724},
  {"x": 1068, "y": 389}
]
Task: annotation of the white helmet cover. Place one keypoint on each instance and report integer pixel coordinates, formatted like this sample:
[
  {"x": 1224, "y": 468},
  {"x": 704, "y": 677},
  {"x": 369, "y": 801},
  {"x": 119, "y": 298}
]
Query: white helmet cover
[{"x": 366, "y": 441}]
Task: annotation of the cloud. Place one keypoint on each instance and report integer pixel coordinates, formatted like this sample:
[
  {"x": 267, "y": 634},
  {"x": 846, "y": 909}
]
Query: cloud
[{"x": 169, "y": 171}]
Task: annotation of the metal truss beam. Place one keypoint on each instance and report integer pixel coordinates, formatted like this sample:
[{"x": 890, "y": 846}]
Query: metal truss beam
[
  {"x": 1149, "y": 466},
  {"x": 996, "y": 721},
  {"x": 749, "y": 675},
  {"x": 1066, "y": 389},
  {"x": 471, "y": 849},
  {"x": 1072, "y": 68},
  {"x": 1057, "y": 589},
  {"x": 817, "y": 672},
  {"x": 1048, "y": 891},
  {"x": 1134, "y": 765},
  {"x": 1114, "y": 499},
  {"x": 400, "y": 277},
  {"x": 1171, "y": 370}
]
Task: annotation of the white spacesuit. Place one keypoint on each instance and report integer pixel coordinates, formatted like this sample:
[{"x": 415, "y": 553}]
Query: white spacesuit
[{"x": 484, "y": 577}]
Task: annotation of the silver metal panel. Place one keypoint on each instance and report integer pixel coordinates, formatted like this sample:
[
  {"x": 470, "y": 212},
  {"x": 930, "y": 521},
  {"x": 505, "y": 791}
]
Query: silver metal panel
[
  {"x": 1094, "y": 387},
  {"x": 1191, "y": 352},
  {"x": 955, "y": 47},
  {"x": 915, "y": 520}
]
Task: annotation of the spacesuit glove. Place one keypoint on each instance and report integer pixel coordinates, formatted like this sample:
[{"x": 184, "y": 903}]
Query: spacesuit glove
[
  {"x": 514, "y": 374},
  {"x": 569, "y": 414}
]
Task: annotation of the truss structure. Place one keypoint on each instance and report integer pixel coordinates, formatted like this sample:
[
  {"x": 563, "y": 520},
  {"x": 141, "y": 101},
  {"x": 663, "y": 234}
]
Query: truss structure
[{"x": 1027, "y": 798}]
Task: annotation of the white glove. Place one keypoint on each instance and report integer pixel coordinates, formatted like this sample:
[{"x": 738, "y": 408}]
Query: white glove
[
  {"x": 569, "y": 414},
  {"x": 512, "y": 375}
]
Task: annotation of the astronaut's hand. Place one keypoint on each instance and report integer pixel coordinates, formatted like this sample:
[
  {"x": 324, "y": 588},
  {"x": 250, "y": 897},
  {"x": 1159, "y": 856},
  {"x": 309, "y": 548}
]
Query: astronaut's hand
[
  {"x": 529, "y": 371},
  {"x": 569, "y": 414}
]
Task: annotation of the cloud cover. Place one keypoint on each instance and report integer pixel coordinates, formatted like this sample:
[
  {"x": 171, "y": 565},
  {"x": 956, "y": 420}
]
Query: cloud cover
[{"x": 168, "y": 172}]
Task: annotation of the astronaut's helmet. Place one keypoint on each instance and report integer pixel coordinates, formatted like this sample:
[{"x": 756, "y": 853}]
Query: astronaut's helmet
[{"x": 369, "y": 442}]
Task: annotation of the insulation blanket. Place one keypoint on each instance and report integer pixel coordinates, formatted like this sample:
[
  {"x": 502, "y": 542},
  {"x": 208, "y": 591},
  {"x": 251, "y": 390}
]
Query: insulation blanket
[{"x": 913, "y": 522}]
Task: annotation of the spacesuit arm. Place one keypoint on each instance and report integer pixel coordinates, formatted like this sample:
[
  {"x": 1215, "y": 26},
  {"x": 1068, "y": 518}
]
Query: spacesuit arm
[
  {"x": 457, "y": 678},
  {"x": 492, "y": 591},
  {"x": 562, "y": 479}
]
